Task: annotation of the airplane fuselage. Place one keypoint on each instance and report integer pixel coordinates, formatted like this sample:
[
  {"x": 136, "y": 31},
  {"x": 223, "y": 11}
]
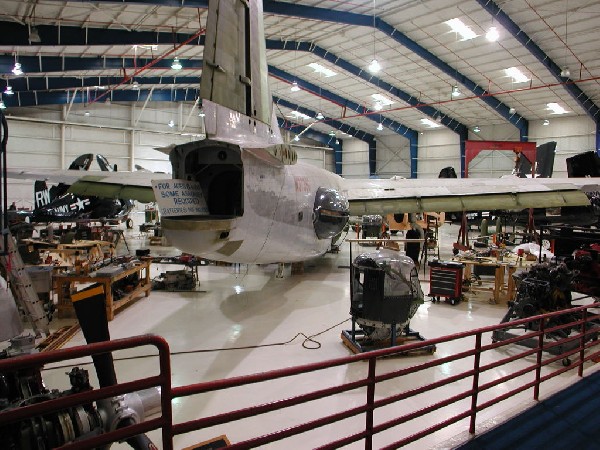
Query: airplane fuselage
[{"x": 259, "y": 212}]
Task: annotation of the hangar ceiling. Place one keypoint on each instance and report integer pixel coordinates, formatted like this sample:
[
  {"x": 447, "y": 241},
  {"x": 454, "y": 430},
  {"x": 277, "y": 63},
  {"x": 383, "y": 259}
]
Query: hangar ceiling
[{"x": 83, "y": 47}]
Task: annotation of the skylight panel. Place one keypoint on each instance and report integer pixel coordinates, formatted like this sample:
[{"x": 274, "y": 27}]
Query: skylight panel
[
  {"x": 556, "y": 108},
  {"x": 430, "y": 123},
  {"x": 318, "y": 68},
  {"x": 382, "y": 99},
  {"x": 299, "y": 115},
  {"x": 463, "y": 30},
  {"x": 516, "y": 75}
]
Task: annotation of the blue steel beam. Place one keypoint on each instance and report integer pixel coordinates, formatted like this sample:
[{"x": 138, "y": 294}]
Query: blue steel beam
[
  {"x": 53, "y": 35},
  {"x": 37, "y": 64},
  {"x": 323, "y": 14},
  {"x": 359, "y": 134},
  {"x": 30, "y": 83},
  {"x": 584, "y": 101},
  {"x": 432, "y": 112},
  {"x": 310, "y": 12},
  {"x": 60, "y": 98},
  {"x": 17, "y": 34},
  {"x": 23, "y": 84},
  {"x": 363, "y": 136},
  {"x": 325, "y": 139},
  {"x": 397, "y": 127}
]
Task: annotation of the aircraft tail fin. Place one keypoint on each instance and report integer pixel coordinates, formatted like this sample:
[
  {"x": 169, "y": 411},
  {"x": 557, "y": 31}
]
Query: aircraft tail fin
[
  {"x": 41, "y": 194},
  {"x": 82, "y": 162},
  {"x": 582, "y": 165},
  {"x": 544, "y": 157},
  {"x": 105, "y": 165},
  {"x": 234, "y": 87}
]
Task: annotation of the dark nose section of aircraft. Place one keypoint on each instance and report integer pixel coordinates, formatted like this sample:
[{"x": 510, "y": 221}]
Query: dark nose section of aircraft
[{"x": 330, "y": 213}]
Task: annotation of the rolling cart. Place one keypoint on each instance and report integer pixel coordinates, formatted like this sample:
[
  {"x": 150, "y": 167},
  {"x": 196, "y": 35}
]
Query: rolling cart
[{"x": 445, "y": 280}]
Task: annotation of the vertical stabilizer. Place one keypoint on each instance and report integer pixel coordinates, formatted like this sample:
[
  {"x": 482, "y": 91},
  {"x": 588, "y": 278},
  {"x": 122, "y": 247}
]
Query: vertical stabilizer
[
  {"x": 234, "y": 85},
  {"x": 41, "y": 194}
]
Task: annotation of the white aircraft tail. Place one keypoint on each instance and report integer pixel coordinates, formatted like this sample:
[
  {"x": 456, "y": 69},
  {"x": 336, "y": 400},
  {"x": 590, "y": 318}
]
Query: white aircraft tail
[{"x": 234, "y": 86}]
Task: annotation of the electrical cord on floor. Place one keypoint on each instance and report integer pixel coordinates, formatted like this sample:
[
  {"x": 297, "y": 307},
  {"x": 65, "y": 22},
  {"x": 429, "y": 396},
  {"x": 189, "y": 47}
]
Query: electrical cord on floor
[{"x": 309, "y": 343}]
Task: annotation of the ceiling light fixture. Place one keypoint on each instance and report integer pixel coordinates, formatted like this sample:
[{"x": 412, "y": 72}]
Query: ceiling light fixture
[
  {"x": 380, "y": 126},
  {"x": 565, "y": 72},
  {"x": 320, "y": 116},
  {"x": 295, "y": 87},
  {"x": 455, "y": 91},
  {"x": 2, "y": 105},
  {"x": 430, "y": 123},
  {"x": 516, "y": 75},
  {"x": 17, "y": 69},
  {"x": 332, "y": 133},
  {"x": 176, "y": 64},
  {"x": 86, "y": 114},
  {"x": 463, "y": 30},
  {"x": 34, "y": 35},
  {"x": 296, "y": 138},
  {"x": 492, "y": 35},
  {"x": 546, "y": 122},
  {"x": 476, "y": 129},
  {"x": 135, "y": 86},
  {"x": 8, "y": 90},
  {"x": 512, "y": 110},
  {"x": 374, "y": 67},
  {"x": 556, "y": 108},
  {"x": 171, "y": 124},
  {"x": 337, "y": 141}
]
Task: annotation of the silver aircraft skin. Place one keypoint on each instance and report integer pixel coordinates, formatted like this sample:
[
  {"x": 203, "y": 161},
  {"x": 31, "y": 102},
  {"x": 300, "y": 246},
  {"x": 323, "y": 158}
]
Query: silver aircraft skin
[{"x": 241, "y": 196}]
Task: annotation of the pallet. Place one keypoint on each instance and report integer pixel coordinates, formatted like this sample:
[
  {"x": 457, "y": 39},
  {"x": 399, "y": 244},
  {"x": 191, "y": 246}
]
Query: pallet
[{"x": 361, "y": 343}]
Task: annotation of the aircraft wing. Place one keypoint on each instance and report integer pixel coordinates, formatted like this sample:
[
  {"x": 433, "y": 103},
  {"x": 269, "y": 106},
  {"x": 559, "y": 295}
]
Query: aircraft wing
[
  {"x": 378, "y": 196},
  {"x": 126, "y": 185}
]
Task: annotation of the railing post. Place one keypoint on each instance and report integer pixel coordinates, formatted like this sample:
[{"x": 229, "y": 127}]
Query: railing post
[
  {"x": 370, "y": 402},
  {"x": 582, "y": 343},
  {"x": 166, "y": 398},
  {"x": 476, "y": 362},
  {"x": 538, "y": 362}
]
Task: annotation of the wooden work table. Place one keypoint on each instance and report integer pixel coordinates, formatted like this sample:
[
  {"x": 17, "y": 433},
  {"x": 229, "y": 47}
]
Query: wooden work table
[
  {"x": 65, "y": 285},
  {"x": 503, "y": 285}
]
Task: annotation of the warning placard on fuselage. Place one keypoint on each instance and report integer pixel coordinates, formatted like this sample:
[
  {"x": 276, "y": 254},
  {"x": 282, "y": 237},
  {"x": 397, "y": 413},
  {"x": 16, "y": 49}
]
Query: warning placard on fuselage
[{"x": 179, "y": 198}]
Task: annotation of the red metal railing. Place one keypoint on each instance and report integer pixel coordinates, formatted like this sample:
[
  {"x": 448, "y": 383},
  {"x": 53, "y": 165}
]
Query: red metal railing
[{"x": 461, "y": 392}]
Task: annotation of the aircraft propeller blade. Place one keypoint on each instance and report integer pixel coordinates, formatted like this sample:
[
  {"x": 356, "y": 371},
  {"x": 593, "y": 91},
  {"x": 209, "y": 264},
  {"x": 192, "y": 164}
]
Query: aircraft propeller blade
[{"x": 89, "y": 304}]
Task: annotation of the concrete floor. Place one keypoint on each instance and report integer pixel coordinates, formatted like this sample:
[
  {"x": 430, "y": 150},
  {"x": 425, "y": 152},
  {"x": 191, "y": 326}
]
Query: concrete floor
[{"x": 248, "y": 306}]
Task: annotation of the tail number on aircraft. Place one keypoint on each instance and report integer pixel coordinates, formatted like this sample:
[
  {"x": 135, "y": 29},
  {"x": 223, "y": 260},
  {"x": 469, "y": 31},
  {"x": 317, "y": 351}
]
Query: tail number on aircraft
[
  {"x": 42, "y": 198},
  {"x": 179, "y": 198}
]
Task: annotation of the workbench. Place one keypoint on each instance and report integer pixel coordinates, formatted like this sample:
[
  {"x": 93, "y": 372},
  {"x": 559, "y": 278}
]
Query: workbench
[
  {"x": 89, "y": 251},
  {"x": 65, "y": 285},
  {"x": 502, "y": 287}
]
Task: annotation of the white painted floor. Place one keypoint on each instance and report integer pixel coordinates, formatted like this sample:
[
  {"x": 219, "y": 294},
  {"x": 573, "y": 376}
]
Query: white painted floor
[{"x": 253, "y": 308}]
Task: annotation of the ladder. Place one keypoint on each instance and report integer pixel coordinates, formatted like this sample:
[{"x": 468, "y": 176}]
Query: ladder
[
  {"x": 431, "y": 246},
  {"x": 22, "y": 288}
]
